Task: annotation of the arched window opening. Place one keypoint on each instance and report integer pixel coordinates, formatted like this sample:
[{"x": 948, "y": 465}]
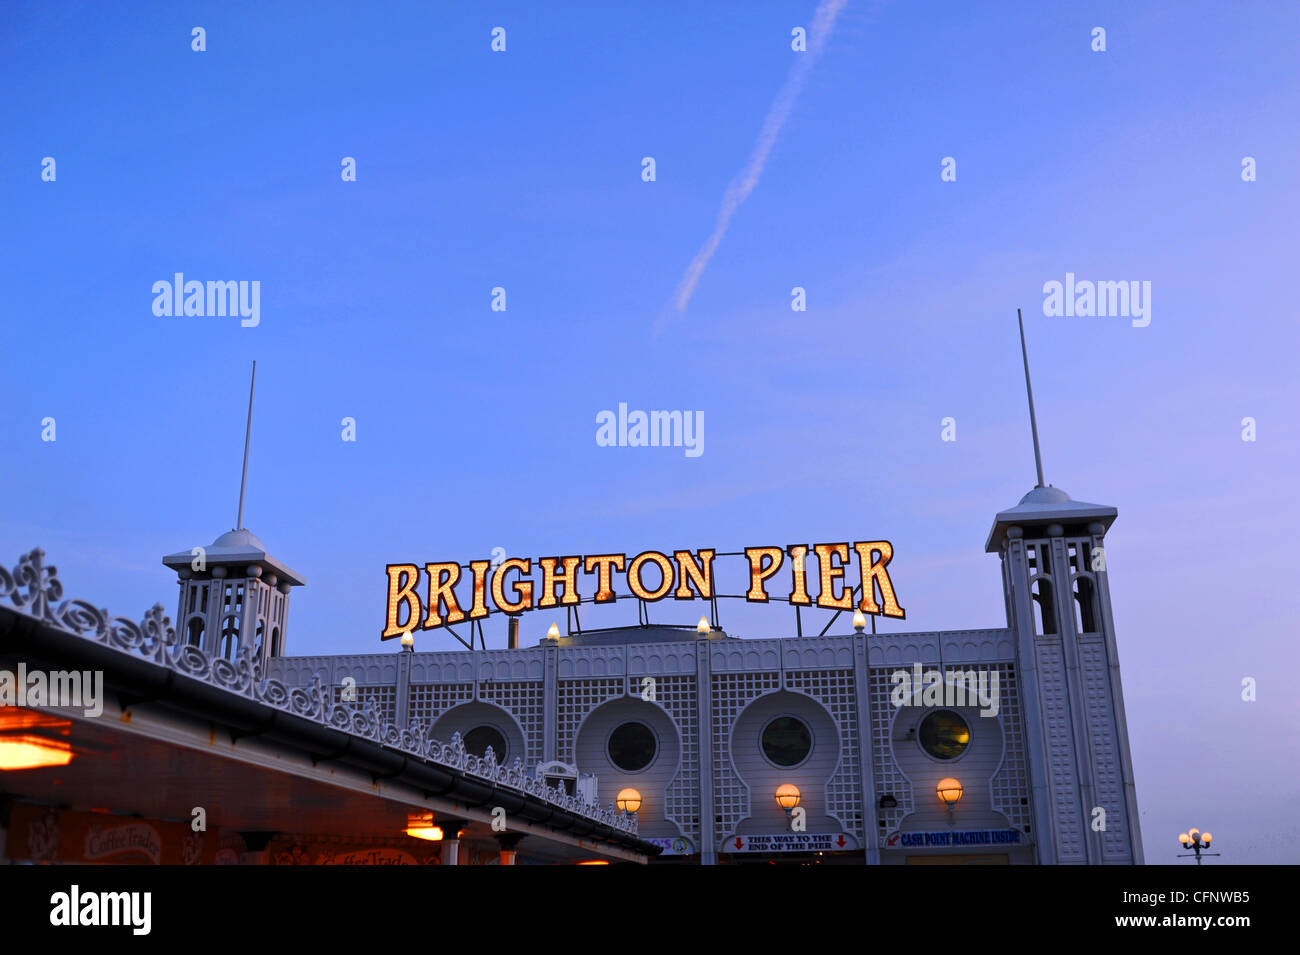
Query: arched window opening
[
  {"x": 196, "y": 631},
  {"x": 1085, "y": 606},
  {"x": 1045, "y": 610},
  {"x": 1031, "y": 558},
  {"x": 230, "y": 638},
  {"x": 261, "y": 641},
  {"x": 275, "y": 641}
]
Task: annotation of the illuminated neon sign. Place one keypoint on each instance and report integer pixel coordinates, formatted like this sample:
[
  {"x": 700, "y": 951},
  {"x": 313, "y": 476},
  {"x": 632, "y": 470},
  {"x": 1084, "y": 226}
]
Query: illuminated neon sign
[{"x": 513, "y": 586}]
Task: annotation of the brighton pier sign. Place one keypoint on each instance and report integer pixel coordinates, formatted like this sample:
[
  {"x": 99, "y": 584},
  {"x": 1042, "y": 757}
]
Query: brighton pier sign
[{"x": 510, "y": 586}]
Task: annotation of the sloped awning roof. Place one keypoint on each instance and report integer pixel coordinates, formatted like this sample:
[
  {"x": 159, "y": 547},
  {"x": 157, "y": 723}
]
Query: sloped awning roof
[{"x": 162, "y": 694}]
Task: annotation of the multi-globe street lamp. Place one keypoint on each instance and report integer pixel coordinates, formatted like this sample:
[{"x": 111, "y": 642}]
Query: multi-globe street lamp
[{"x": 1195, "y": 840}]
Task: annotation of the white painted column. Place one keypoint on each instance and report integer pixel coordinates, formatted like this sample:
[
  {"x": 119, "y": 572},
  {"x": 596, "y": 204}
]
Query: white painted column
[
  {"x": 402, "y": 718},
  {"x": 1040, "y": 798},
  {"x": 866, "y": 744},
  {"x": 1106, "y": 623},
  {"x": 450, "y": 849},
  {"x": 550, "y": 704},
  {"x": 708, "y": 847},
  {"x": 509, "y": 843},
  {"x": 450, "y": 839}
]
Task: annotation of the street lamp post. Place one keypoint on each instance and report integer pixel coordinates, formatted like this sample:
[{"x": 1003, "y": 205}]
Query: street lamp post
[{"x": 1196, "y": 840}]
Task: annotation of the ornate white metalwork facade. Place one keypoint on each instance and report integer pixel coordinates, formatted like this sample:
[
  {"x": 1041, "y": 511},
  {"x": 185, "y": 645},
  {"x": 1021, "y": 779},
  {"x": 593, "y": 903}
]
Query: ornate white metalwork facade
[
  {"x": 1045, "y": 778},
  {"x": 840, "y": 686},
  {"x": 34, "y": 589},
  {"x": 1037, "y": 776}
]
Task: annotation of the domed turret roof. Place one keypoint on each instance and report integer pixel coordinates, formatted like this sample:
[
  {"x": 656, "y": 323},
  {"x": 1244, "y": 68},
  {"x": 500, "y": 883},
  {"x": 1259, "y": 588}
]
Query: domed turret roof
[
  {"x": 1048, "y": 505},
  {"x": 1045, "y": 495},
  {"x": 236, "y": 548},
  {"x": 241, "y": 539}
]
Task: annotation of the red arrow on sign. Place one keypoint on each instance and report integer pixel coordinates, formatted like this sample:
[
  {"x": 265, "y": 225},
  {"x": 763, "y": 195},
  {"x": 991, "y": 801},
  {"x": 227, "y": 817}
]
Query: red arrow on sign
[
  {"x": 840, "y": 841},
  {"x": 739, "y": 844}
]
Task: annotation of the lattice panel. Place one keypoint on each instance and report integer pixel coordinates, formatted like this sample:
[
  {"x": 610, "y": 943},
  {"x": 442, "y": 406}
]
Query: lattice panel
[
  {"x": 384, "y": 699},
  {"x": 732, "y": 692},
  {"x": 1109, "y": 787},
  {"x": 522, "y": 699},
  {"x": 836, "y": 690},
  {"x": 676, "y": 694},
  {"x": 889, "y": 775},
  {"x": 577, "y": 698},
  {"x": 1060, "y": 751},
  {"x": 428, "y": 701},
  {"x": 1010, "y": 784}
]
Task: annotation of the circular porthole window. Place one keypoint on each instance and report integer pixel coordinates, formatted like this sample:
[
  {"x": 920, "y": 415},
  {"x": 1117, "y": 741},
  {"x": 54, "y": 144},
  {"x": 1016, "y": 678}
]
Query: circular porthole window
[
  {"x": 480, "y": 738},
  {"x": 786, "y": 741},
  {"x": 944, "y": 734},
  {"x": 632, "y": 747}
]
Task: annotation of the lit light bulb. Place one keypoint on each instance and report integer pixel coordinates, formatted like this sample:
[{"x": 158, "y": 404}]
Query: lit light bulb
[
  {"x": 426, "y": 832},
  {"x": 554, "y": 632},
  {"x": 702, "y": 627},
  {"x": 859, "y": 621},
  {"x": 949, "y": 790}
]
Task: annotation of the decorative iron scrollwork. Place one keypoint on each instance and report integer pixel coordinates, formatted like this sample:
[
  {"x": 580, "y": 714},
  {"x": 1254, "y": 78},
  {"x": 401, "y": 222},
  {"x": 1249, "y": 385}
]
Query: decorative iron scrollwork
[{"x": 34, "y": 588}]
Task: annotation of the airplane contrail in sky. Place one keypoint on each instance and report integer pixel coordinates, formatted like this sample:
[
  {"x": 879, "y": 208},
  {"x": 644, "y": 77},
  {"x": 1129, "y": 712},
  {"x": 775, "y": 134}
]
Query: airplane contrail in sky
[{"x": 744, "y": 183}]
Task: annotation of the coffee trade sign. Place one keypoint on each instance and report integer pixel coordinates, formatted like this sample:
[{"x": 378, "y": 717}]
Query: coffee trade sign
[{"x": 649, "y": 576}]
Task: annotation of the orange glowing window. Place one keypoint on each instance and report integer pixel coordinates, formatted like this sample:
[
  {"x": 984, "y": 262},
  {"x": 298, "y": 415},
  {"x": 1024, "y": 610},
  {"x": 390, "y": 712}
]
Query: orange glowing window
[{"x": 30, "y": 740}]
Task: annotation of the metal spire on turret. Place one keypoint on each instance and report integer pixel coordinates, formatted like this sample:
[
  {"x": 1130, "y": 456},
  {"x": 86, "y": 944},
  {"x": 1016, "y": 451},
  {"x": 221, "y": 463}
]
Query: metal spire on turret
[
  {"x": 248, "y": 432},
  {"x": 1029, "y": 389}
]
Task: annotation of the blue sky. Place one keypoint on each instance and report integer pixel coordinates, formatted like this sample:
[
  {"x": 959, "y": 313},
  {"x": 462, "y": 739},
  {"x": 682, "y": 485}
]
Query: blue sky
[{"x": 523, "y": 170}]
